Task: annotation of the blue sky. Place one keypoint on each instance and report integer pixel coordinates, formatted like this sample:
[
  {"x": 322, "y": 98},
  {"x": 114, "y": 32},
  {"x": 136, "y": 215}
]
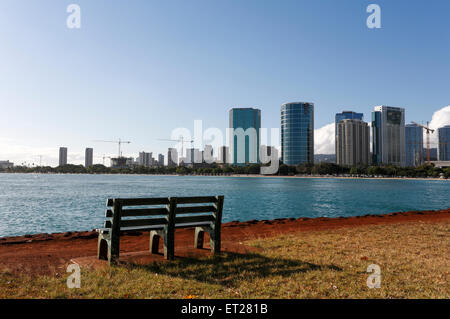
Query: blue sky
[{"x": 138, "y": 69}]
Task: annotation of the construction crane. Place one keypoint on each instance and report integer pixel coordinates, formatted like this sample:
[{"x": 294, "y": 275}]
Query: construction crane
[
  {"x": 428, "y": 130},
  {"x": 182, "y": 140},
  {"x": 119, "y": 143}
]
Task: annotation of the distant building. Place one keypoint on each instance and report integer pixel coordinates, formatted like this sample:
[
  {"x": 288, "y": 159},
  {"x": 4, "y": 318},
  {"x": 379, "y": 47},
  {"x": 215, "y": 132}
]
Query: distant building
[
  {"x": 245, "y": 125},
  {"x": 388, "y": 136},
  {"x": 208, "y": 154},
  {"x": 172, "y": 157},
  {"x": 160, "y": 160},
  {"x": 444, "y": 143},
  {"x": 224, "y": 155},
  {"x": 62, "y": 156},
  {"x": 122, "y": 162},
  {"x": 6, "y": 164},
  {"x": 145, "y": 159},
  {"x": 297, "y": 133},
  {"x": 89, "y": 157},
  {"x": 353, "y": 143},
  {"x": 193, "y": 156},
  {"x": 414, "y": 145},
  {"x": 345, "y": 115}
]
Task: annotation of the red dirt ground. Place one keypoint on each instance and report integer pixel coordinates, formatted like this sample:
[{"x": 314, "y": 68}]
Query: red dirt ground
[{"x": 50, "y": 253}]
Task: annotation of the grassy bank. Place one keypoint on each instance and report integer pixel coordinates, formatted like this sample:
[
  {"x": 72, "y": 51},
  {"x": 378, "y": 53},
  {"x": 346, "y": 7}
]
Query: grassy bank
[{"x": 413, "y": 258}]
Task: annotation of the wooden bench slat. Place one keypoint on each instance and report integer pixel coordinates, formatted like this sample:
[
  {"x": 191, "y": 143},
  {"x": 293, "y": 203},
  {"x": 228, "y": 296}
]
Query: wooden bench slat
[
  {"x": 143, "y": 222},
  {"x": 196, "y": 200},
  {"x": 194, "y": 219},
  {"x": 144, "y": 212},
  {"x": 139, "y": 201},
  {"x": 195, "y": 209}
]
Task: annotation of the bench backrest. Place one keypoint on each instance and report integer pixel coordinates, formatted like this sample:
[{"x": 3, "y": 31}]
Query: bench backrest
[{"x": 154, "y": 213}]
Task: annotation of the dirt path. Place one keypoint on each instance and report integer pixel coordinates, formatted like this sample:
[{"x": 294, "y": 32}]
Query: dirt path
[{"x": 50, "y": 253}]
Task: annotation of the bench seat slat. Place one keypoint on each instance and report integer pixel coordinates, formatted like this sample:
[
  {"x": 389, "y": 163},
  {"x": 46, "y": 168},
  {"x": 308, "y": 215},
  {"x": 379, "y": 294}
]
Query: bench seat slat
[
  {"x": 195, "y": 209},
  {"x": 196, "y": 200},
  {"x": 194, "y": 219},
  {"x": 144, "y": 212},
  {"x": 154, "y": 227},
  {"x": 143, "y": 222},
  {"x": 139, "y": 201}
]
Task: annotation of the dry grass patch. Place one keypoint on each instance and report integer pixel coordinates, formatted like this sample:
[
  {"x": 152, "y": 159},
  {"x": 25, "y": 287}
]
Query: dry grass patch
[{"x": 413, "y": 258}]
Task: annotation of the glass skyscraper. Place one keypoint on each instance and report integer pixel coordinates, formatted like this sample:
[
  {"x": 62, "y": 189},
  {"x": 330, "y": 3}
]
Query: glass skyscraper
[
  {"x": 345, "y": 115},
  {"x": 245, "y": 124},
  {"x": 444, "y": 143},
  {"x": 414, "y": 145},
  {"x": 297, "y": 133}
]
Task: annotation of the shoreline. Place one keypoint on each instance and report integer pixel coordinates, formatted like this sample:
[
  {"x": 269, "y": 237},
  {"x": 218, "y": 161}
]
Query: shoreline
[
  {"x": 251, "y": 176},
  {"x": 50, "y": 253}
]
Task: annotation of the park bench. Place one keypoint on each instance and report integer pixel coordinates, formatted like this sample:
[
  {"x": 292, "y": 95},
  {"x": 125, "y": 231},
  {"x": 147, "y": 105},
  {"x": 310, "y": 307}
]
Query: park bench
[{"x": 160, "y": 216}]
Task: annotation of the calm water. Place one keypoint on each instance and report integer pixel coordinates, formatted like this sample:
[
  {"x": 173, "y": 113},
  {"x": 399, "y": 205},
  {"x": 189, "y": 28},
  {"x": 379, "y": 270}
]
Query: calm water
[{"x": 56, "y": 203}]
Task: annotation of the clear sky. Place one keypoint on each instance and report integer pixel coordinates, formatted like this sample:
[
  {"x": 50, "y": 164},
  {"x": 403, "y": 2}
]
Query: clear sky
[{"x": 138, "y": 69}]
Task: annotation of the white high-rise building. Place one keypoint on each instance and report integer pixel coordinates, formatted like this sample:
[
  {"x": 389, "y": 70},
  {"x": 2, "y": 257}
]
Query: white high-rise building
[
  {"x": 193, "y": 156},
  {"x": 145, "y": 159},
  {"x": 208, "y": 154},
  {"x": 388, "y": 136}
]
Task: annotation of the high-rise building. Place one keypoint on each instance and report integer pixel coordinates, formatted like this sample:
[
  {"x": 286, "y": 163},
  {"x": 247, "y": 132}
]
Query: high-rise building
[
  {"x": 62, "y": 156},
  {"x": 193, "y": 156},
  {"x": 444, "y": 143},
  {"x": 145, "y": 159},
  {"x": 297, "y": 133},
  {"x": 245, "y": 125},
  {"x": 388, "y": 136},
  {"x": 353, "y": 143},
  {"x": 208, "y": 154},
  {"x": 345, "y": 115},
  {"x": 414, "y": 145},
  {"x": 160, "y": 160},
  {"x": 172, "y": 157},
  {"x": 89, "y": 157},
  {"x": 224, "y": 155}
]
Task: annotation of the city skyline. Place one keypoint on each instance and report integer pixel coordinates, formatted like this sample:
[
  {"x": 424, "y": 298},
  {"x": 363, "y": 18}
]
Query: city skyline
[
  {"x": 438, "y": 118},
  {"x": 64, "y": 87}
]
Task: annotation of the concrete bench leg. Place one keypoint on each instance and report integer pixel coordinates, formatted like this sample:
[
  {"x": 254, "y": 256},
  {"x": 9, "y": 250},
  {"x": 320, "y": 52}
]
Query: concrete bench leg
[
  {"x": 199, "y": 237},
  {"x": 154, "y": 241},
  {"x": 102, "y": 249}
]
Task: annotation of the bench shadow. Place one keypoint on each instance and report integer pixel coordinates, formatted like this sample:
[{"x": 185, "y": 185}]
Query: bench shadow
[{"x": 230, "y": 268}]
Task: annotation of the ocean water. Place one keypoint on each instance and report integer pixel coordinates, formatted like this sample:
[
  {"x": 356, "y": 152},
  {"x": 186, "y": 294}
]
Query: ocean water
[{"x": 31, "y": 203}]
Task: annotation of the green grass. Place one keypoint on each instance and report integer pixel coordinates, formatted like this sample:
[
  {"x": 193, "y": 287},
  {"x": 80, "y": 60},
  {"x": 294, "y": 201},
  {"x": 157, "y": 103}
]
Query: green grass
[{"x": 325, "y": 264}]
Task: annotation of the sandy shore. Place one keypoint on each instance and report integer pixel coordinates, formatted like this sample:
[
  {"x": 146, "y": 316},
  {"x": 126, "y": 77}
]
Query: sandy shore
[
  {"x": 259, "y": 176},
  {"x": 50, "y": 253}
]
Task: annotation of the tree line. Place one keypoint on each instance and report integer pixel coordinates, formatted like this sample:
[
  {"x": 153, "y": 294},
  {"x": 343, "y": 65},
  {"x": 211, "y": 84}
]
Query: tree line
[{"x": 322, "y": 169}]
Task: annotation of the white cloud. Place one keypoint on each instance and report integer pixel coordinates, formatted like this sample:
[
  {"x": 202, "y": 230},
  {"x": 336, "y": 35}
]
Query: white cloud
[
  {"x": 324, "y": 139},
  {"x": 440, "y": 118}
]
